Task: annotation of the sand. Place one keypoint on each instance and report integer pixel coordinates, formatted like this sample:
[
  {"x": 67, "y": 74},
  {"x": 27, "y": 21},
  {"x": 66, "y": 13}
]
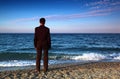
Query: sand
[{"x": 99, "y": 70}]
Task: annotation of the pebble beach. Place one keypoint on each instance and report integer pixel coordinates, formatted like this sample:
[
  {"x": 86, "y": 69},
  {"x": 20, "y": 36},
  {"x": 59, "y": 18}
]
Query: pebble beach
[{"x": 96, "y": 70}]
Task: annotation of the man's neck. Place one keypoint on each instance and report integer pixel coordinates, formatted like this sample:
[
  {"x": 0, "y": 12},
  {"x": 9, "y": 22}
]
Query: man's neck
[{"x": 42, "y": 25}]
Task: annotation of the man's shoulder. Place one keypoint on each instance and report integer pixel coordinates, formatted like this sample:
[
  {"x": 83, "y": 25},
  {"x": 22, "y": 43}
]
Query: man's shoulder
[
  {"x": 36, "y": 27},
  {"x": 46, "y": 27}
]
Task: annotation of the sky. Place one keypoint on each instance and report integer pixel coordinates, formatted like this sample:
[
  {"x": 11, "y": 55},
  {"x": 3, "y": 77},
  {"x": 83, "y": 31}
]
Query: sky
[{"x": 62, "y": 16}]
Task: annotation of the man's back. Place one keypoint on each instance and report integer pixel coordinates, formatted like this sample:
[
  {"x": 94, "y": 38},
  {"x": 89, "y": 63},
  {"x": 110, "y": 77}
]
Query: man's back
[{"x": 42, "y": 37}]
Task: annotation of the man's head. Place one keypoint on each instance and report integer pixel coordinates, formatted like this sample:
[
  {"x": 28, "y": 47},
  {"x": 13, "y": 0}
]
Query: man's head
[{"x": 42, "y": 21}]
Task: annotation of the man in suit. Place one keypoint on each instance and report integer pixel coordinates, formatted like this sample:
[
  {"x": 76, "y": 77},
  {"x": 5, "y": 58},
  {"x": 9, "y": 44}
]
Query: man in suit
[{"x": 42, "y": 41}]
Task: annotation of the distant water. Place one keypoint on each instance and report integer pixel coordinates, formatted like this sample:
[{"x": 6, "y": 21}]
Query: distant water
[{"x": 18, "y": 49}]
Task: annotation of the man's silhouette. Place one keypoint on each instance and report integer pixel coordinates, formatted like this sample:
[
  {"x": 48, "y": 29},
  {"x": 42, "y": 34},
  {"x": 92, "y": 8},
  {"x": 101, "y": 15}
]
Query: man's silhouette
[{"x": 42, "y": 41}]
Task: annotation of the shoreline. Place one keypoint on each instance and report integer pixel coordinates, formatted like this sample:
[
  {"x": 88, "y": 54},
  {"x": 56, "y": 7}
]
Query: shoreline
[
  {"x": 60, "y": 64},
  {"x": 13, "y": 68},
  {"x": 96, "y": 70}
]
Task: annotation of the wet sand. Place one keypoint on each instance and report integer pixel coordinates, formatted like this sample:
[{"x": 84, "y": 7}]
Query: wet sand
[{"x": 99, "y": 70}]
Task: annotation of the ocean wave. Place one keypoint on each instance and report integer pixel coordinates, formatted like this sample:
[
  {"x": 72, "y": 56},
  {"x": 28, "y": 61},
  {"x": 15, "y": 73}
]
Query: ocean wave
[
  {"x": 20, "y": 63},
  {"x": 89, "y": 56},
  {"x": 96, "y": 57},
  {"x": 61, "y": 56},
  {"x": 17, "y": 56},
  {"x": 12, "y": 63},
  {"x": 32, "y": 56},
  {"x": 86, "y": 48},
  {"x": 94, "y": 48},
  {"x": 19, "y": 49},
  {"x": 117, "y": 57}
]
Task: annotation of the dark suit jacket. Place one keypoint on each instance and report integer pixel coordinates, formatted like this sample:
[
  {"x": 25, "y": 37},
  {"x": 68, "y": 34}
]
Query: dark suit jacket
[{"x": 42, "y": 38}]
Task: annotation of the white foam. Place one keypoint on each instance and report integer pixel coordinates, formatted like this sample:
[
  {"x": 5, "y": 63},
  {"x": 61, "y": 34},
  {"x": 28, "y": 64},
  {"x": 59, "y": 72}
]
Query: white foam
[
  {"x": 16, "y": 63},
  {"x": 13, "y": 63},
  {"x": 117, "y": 57},
  {"x": 89, "y": 56}
]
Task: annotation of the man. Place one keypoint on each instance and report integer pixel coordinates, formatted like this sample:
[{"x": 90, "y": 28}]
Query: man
[{"x": 42, "y": 41}]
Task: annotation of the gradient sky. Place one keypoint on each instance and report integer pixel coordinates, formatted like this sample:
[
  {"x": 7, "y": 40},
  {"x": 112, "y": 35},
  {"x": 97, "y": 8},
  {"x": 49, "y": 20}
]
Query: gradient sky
[{"x": 63, "y": 16}]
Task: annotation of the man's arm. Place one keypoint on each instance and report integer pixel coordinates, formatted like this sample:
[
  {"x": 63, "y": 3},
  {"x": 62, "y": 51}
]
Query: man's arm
[
  {"x": 35, "y": 39},
  {"x": 49, "y": 39}
]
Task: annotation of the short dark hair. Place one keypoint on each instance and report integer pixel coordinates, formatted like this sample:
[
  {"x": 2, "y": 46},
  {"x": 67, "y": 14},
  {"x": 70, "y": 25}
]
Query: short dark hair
[{"x": 42, "y": 20}]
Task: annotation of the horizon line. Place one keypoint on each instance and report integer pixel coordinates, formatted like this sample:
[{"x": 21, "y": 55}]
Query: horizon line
[{"x": 63, "y": 33}]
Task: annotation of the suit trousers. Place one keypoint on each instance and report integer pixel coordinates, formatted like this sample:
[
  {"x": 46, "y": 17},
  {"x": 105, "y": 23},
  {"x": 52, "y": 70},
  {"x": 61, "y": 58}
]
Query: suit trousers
[{"x": 38, "y": 59}]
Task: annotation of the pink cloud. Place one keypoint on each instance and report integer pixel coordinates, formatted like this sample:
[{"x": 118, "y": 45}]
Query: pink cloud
[
  {"x": 25, "y": 19},
  {"x": 90, "y": 13},
  {"x": 101, "y": 2},
  {"x": 97, "y": 10},
  {"x": 65, "y": 17}
]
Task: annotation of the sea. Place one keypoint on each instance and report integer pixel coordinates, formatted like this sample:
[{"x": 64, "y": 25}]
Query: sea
[{"x": 17, "y": 49}]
